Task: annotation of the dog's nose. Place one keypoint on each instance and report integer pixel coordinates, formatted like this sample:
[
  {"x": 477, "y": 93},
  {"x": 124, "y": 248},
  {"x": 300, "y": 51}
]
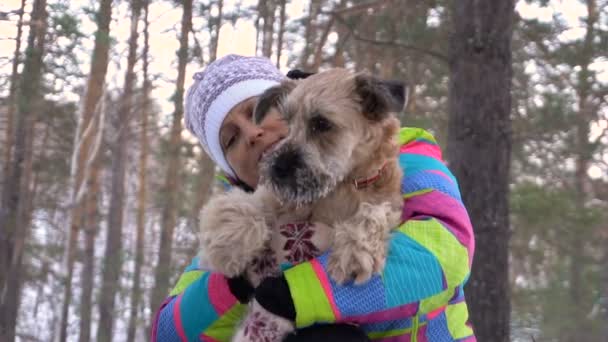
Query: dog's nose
[{"x": 285, "y": 164}]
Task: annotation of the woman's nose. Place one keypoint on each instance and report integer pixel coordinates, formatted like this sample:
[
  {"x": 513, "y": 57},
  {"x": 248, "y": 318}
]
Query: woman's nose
[{"x": 254, "y": 133}]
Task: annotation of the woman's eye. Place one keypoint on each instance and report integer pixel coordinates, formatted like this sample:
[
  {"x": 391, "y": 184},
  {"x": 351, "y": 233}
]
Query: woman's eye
[
  {"x": 229, "y": 142},
  {"x": 319, "y": 124}
]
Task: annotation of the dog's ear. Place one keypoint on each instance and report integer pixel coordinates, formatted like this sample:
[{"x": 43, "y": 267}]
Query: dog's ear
[
  {"x": 272, "y": 97},
  {"x": 379, "y": 97},
  {"x": 297, "y": 74}
]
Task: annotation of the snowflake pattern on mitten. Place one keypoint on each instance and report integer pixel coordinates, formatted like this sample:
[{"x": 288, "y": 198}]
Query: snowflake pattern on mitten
[
  {"x": 262, "y": 326},
  {"x": 258, "y": 328},
  {"x": 299, "y": 246}
]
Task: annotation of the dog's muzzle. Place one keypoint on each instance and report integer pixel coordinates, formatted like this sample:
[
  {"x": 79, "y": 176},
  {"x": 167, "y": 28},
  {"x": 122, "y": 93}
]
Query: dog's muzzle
[
  {"x": 285, "y": 165},
  {"x": 287, "y": 173}
]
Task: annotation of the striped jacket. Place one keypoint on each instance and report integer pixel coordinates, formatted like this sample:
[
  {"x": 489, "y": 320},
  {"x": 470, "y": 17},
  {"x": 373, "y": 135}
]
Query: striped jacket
[{"x": 419, "y": 296}]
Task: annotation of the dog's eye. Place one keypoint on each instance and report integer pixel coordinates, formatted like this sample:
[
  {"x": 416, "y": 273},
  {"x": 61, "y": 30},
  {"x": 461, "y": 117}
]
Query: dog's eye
[{"x": 319, "y": 124}]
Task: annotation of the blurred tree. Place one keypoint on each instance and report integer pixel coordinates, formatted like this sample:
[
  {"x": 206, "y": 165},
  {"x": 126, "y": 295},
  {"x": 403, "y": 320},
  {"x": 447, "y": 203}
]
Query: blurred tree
[
  {"x": 12, "y": 95},
  {"x": 310, "y": 32},
  {"x": 84, "y": 174},
  {"x": 15, "y": 206},
  {"x": 144, "y": 112},
  {"x": 203, "y": 174},
  {"x": 215, "y": 24},
  {"x": 281, "y": 34},
  {"x": 479, "y": 150},
  {"x": 266, "y": 15},
  {"x": 170, "y": 188},
  {"x": 403, "y": 40},
  {"x": 113, "y": 258},
  {"x": 558, "y": 119},
  {"x": 52, "y": 130}
]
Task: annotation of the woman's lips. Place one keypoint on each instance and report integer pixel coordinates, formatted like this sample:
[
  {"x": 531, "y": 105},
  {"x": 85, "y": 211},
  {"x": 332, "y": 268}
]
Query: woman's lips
[{"x": 268, "y": 149}]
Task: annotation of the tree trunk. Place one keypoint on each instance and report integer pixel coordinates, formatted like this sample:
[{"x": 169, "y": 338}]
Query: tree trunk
[
  {"x": 268, "y": 29},
  {"x": 338, "y": 60},
  {"x": 142, "y": 191},
  {"x": 310, "y": 32},
  {"x": 88, "y": 267},
  {"x": 85, "y": 159},
  {"x": 479, "y": 147},
  {"x": 603, "y": 305},
  {"x": 215, "y": 24},
  {"x": 206, "y": 167},
  {"x": 90, "y": 226},
  {"x": 8, "y": 143},
  {"x": 113, "y": 254},
  {"x": 282, "y": 20},
  {"x": 16, "y": 196},
  {"x": 203, "y": 184},
  {"x": 171, "y": 184},
  {"x": 582, "y": 183}
]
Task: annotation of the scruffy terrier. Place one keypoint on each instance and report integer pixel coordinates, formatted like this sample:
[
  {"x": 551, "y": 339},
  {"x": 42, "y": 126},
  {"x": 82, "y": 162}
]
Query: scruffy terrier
[{"x": 337, "y": 168}]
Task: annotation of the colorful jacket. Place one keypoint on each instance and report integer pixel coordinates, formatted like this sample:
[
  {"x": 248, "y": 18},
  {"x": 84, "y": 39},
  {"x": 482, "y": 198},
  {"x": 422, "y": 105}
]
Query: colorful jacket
[{"x": 418, "y": 297}]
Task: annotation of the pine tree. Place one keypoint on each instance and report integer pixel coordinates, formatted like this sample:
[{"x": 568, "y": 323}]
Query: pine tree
[
  {"x": 479, "y": 148},
  {"x": 84, "y": 173},
  {"x": 171, "y": 184},
  {"x": 113, "y": 253},
  {"x": 142, "y": 183},
  {"x": 15, "y": 206},
  {"x": 12, "y": 95}
]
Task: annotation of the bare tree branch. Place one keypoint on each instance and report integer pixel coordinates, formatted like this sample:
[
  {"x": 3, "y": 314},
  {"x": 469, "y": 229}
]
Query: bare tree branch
[
  {"x": 390, "y": 43},
  {"x": 360, "y": 7}
]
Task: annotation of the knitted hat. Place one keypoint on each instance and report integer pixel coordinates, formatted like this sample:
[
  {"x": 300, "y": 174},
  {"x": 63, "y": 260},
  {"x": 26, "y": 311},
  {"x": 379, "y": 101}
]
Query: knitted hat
[{"x": 216, "y": 90}]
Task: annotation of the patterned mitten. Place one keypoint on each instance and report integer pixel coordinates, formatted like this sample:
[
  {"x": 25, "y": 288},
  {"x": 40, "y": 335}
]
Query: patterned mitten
[
  {"x": 241, "y": 288},
  {"x": 274, "y": 295},
  {"x": 271, "y": 315},
  {"x": 260, "y": 325}
]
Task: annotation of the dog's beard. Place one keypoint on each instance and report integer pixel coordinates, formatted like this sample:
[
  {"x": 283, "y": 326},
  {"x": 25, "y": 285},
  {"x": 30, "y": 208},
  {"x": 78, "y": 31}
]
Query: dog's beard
[{"x": 305, "y": 186}]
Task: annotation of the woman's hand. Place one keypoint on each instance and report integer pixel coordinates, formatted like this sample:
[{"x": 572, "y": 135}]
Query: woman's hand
[{"x": 271, "y": 315}]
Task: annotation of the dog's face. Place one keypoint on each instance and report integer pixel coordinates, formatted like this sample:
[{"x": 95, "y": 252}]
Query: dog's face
[{"x": 336, "y": 120}]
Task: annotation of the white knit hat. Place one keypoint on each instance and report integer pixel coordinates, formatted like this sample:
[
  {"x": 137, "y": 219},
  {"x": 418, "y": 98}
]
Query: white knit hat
[{"x": 216, "y": 90}]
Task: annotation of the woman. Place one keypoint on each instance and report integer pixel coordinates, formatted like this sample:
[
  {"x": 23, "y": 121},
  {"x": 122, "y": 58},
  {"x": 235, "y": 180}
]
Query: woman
[{"x": 419, "y": 296}]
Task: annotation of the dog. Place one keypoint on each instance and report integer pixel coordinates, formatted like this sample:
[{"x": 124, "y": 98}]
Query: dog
[{"x": 337, "y": 168}]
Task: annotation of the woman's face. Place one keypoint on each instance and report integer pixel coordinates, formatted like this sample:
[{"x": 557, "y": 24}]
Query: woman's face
[{"x": 243, "y": 142}]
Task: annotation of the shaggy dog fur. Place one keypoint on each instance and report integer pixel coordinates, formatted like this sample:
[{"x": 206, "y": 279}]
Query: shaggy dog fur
[{"x": 341, "y": 131}]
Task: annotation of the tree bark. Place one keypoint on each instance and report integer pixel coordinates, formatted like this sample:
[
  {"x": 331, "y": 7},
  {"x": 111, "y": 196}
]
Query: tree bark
[
  {"x": 142, "y": 191},
  {"x": 582, "y": 183},
  {"x": 10, "y": 115},
  {"x": 266, "y": 9},
  {"x": 85, "y": 160},
  {"x": 479, "y": 147},
  {"x": 16, "y": 196},
  {"x": 171, "y": 184},
  {"x": 88, "y": 267},
  {"x": 215, "y": 24},
  {"x": 282, "y": 20},
  {"x": 318, "y": 55},
  {"x": 206, "y": 166},
  {"x": 113, "y": 253},
  {"x": 310, "y": 32}
]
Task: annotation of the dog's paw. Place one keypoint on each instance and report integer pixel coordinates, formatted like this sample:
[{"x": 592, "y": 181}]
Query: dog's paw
[
  {"x": 346, "y": 264},
  {"x": 360, "y": 244},
  {"x": 232, "y": 233}
]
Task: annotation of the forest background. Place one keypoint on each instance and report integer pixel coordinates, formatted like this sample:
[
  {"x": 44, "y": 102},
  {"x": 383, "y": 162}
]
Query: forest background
[{"x": 101, "y": 184}]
